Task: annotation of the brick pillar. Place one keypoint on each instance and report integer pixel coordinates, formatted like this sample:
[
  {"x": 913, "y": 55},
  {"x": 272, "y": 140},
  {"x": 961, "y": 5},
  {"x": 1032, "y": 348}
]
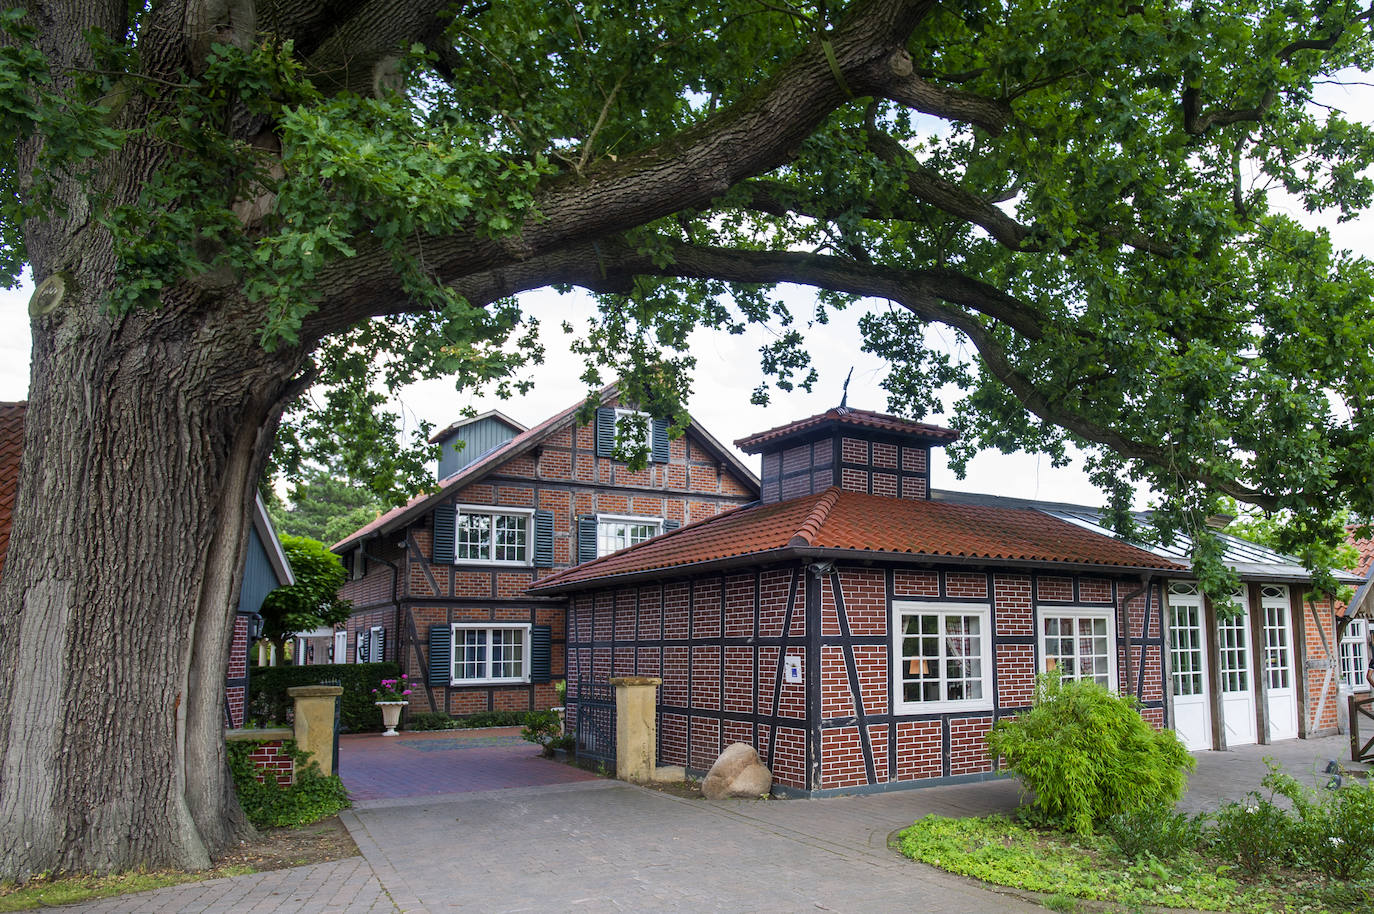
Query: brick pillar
[
  {"x": 636, "y": 731},
  {"x": 315, "y": 722}
]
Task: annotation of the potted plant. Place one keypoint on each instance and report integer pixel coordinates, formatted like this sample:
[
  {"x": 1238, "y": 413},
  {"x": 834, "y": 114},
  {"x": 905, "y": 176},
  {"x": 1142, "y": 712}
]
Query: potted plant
[{"x": 391, "y": 698}]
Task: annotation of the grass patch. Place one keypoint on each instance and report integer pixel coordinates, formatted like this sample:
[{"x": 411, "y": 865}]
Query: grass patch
[
  {"x": 1002, "y": 852},
  {"x": 41, "y": 892}
]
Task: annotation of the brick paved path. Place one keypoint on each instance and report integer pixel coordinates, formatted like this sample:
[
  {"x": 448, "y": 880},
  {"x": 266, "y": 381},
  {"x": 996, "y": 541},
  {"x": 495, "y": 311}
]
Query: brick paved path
[
  {"x": 601, "y": 845},
  {"x": 342, "y": 886},
  {"x": 434, "y": 763}
]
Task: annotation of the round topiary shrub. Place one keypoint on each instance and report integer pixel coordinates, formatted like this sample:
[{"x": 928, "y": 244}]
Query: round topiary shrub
[{"x": 1087, "y": 754}]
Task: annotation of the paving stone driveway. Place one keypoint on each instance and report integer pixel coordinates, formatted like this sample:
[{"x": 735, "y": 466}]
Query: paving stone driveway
[
  {"x": 376, "y": 767},
  {"x": 599, "y": 844}
]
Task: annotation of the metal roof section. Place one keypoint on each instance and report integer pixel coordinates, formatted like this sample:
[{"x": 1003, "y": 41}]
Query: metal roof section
[
  {"x": 271, "y": 545},
  {"x": 1249, "y": 560},
  {"x": 489, "y": 414}
]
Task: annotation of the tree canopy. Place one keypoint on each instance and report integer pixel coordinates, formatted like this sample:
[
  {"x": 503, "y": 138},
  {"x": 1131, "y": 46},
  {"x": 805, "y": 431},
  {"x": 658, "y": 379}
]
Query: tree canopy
[
  {"x": 313, "y": 600},
  {"x": 224, "y": 202},
  {"x": 324, "y": 506}
]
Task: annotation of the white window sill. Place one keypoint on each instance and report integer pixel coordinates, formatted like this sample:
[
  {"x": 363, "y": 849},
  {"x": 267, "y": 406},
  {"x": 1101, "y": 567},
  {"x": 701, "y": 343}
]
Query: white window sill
[
  {"x": 940, "y": 707},
  {"x": 460, "y": 683},
  {"x": 502, "y": 562}
]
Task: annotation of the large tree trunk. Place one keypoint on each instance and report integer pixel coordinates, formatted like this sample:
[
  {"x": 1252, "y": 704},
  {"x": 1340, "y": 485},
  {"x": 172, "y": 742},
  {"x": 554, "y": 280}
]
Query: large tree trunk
[{"x": 144, "y": 438}]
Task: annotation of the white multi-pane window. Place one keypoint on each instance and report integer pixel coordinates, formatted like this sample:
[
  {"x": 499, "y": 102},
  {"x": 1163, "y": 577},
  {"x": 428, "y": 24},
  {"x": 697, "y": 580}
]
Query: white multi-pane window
[
  {"x": 485, "y": 535},
  {"x": 1080, "y": 644},
  {"x": 490, "y": 653},
  {"x": 943, "y": 657},
  {"x": 1185, "y": 638},
  {"x": 1354, "y": 654},
  {"x": 615, "y": 533}
]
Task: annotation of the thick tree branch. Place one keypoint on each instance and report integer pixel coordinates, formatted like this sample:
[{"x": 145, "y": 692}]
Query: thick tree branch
[
  {"x": 934, "y": 295},
  {"x": 688, "y": 171},
  {"x": 928, "y": 187},
  {"x": 906, "y": 88}
]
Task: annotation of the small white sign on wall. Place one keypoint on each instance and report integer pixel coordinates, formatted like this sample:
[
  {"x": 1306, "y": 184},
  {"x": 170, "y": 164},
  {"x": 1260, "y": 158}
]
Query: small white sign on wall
[{"x": 792, "y": 669}]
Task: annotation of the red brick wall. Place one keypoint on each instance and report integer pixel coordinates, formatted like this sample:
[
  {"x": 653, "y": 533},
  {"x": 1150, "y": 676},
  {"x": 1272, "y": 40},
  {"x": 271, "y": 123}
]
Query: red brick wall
[
  {"x": 1321, "y": 687},
  {"x": 719, "y": 685},
  {"x": 272, "y": 761}
]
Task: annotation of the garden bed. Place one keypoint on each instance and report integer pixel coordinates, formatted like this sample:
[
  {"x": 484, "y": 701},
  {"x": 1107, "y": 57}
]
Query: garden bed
[{"x": 1067, "y": 868}]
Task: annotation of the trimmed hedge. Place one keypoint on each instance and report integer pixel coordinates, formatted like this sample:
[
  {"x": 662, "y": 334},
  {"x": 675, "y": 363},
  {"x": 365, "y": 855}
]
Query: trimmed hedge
[{"x": 268, "y": 702}]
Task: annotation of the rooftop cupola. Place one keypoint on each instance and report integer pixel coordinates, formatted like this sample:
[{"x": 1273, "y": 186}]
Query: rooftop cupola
[{"x": 854, "y": 449}]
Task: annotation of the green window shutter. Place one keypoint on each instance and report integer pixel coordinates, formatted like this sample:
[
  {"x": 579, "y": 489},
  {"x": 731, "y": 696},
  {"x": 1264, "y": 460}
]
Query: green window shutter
[
  {"x": 543, "y": 539},
  {"x": 541, "y": 653},
  {"x": 658, "y": 453},
  {"x": 440, "y": 655},
  {"x": 445, "y": 518},
  {"x": 605, "y": 431},
  {"x": 671, "y": 525},
  {"x": 586, "y": 538},
  {"x": 380, "y": 652}
]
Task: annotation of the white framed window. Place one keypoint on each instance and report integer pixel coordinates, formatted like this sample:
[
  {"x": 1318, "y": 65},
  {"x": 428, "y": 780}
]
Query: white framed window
[
  {"x": 484, "y": 654},
  {"x": 492, "y": 535},
  {"x": 614, "y": 532},
  {"x": 943, "y": 654},
  {"x": 1354, "y": 655},
  {"x": 1080, "y": 643},
  {"x": 622, "y": 432}
]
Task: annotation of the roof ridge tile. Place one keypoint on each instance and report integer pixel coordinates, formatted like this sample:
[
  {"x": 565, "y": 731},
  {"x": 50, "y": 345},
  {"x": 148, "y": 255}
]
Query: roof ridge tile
[{"x": 806, "y": 534}]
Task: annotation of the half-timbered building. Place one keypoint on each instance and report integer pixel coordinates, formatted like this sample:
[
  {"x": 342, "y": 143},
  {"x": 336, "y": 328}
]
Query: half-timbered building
[
  {"x": 863, "y": 635},
  {"x": 439, "y": 585}
]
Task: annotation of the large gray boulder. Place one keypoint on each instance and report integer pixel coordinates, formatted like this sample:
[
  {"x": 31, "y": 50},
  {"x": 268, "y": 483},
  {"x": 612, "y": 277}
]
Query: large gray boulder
[{"x": 737, "y": 773}]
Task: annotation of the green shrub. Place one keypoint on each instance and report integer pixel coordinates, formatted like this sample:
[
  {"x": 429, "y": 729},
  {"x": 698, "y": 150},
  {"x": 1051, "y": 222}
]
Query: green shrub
[
  {"x": 1087, "y": 754},
  {"x": 268, "y": 701},
  {"x": 543, "y": 728},
  {"x": 270, "y": 805},
  {"x": 1155, "y": 831},
  {"x": 1253, "y": 834},
  {"x": 431, "y": 720},
  {"x": 1334, "y": 829},
  {"x": 496, "y": 718}
]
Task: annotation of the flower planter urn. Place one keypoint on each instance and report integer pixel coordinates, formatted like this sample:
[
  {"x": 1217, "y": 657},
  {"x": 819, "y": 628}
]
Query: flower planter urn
[{"x": 391, "y": 715}]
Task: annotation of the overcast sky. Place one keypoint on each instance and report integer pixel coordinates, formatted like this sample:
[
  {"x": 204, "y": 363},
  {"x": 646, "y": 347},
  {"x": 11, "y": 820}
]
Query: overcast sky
[{"x": 727, "y": 372}]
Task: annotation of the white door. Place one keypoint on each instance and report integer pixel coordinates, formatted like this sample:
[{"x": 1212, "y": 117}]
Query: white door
[
  {"x": 1237, "y": 697},
  {"x": 1279, "y": 673},
  {"x": 1188, "y": 665}
]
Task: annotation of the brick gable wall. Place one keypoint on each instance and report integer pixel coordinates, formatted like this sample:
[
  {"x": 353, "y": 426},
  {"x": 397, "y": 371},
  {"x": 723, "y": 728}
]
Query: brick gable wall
[{"x": 564, "y": 476}]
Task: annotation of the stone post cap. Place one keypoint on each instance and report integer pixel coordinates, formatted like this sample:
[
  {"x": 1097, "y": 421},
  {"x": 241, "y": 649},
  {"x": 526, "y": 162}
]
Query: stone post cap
[
  {"x": 315, "y": 691},
  {"x": 636, "y": 681}
]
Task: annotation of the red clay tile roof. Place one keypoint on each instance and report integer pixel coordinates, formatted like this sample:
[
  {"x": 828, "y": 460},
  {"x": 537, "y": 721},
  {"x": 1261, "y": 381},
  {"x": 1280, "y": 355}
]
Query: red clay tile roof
[
  {"x": 11, "y": 446},
  {"x": 1365, "y": 568},
  {"x": 1366, "y": 550},
  {"x": 849, "y": 522},
  {"x": 843, "y": 416}
]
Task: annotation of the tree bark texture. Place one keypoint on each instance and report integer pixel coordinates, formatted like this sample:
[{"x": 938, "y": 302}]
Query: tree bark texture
[{"x": 143, "y": 440}]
